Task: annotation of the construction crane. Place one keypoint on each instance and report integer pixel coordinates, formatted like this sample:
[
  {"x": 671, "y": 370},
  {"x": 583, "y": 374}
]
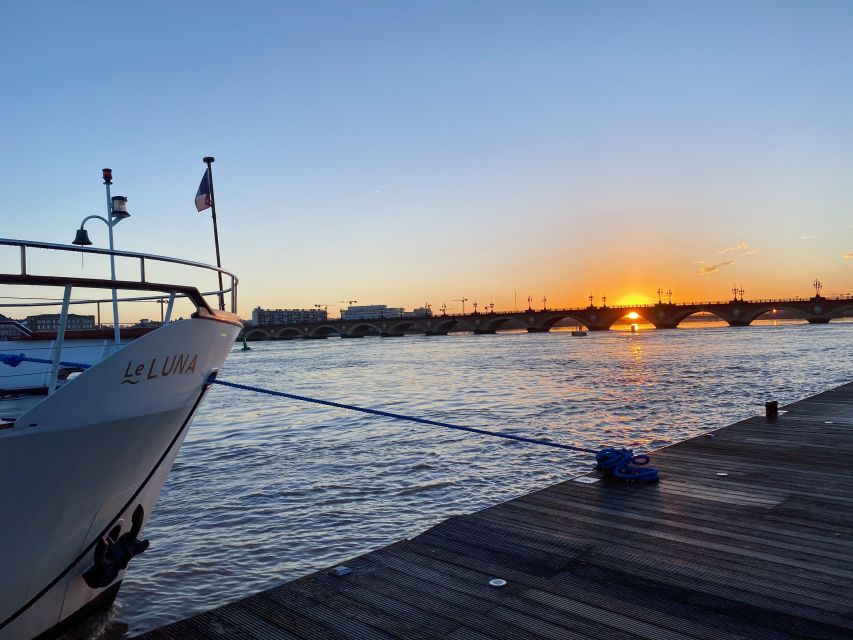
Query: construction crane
[
  {"x": 324, "y": 307},
  {"x": 463, "y": 301},
  {"x": 349, "y": 302}
]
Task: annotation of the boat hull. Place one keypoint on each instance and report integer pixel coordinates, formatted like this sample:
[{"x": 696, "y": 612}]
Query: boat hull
[{"x": 81, "y": 462}]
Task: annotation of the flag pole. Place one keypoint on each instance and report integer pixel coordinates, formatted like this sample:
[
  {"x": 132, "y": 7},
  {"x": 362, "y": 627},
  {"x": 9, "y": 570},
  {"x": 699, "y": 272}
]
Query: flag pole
[{"x": 208, "y": 160}]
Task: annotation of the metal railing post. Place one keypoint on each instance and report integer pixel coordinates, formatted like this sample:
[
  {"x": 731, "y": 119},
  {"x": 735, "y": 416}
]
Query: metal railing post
[
  {"x": 168, "y": 317},
  {"x": 60, "y": 338}
]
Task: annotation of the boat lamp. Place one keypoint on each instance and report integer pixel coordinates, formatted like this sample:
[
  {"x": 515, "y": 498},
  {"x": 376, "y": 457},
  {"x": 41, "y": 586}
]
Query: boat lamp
[{"x": 120, "y": 211}]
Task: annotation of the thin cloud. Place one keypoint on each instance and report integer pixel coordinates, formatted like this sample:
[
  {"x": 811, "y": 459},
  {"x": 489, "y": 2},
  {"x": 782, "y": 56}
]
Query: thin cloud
[
  {"x": 735, "y": 249},
  {"x": 699, "y": 262},
  {"x": 848, "y": 256},
  {"x": 713, "y": 268},
  {"x": 751, "y": 253},
  {"x": 811, "y": 237}
]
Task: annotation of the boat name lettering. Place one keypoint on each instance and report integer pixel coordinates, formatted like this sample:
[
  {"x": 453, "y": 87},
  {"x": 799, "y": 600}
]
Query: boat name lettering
[{"x": 160, "y": 367}]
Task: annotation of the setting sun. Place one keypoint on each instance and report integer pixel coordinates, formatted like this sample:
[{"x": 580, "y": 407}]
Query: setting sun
[{"x": 633, "y": 315}]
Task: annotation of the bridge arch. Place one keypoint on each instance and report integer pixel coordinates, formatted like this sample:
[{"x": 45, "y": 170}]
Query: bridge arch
[
  {"x": 548, "y": 324},
  {"x": 441, "y": 325},
  {"x": 766, "y": 313},
  {"x": 363, "y": 329},
  {"x": 323, "y": 331},
  {"x": 470, "y": 323},
  {"x": 678, "y": 318},
  {"x": 798, "y": 311},
  {"x": 256, "y": 334},
  {"x": 606, "y": 318},
  {"x": 399, "y": 328},
  {"x": 498, "y": 322},
  {"x": 842, "y": 311},
  {"x": 288, "y": 333}
]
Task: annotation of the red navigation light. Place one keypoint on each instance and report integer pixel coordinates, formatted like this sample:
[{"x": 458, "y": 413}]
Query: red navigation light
[{"x": 108, "y": 176}]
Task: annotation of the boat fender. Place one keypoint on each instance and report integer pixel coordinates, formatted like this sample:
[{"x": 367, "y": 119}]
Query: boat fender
[{"x": 113, "y": 552}]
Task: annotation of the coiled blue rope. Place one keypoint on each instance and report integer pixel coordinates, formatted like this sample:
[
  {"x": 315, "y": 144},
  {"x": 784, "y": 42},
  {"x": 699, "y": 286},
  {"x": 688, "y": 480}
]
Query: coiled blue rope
[
  {"x": 618, "y": 463},
  {"x": 623, "y": 464}
]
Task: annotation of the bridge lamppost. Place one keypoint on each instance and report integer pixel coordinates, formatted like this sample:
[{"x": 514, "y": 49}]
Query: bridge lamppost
[
  {"x": 603, "y": 300},
  {"x": 475, "y": 307},
  {"x": 444, "y": 308},
  {"x": 734, "y": 292},
  {"x": 491, "y": 307},
  {"x": 591, "y": 298},
  {"x": 669, "y": 296},
  {"x": 741, "y": 292},
  {"x": 818, "y": 285},
  {"x": 544, "y": 303},
  {"x": 530, "y": 303},
  {"x": 660, "y": 293}
]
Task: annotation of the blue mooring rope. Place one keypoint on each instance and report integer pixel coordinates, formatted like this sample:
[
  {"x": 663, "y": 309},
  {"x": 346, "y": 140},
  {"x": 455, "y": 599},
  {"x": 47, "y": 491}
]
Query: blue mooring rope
[
  {"x": 610, "y": 461},
  {"x": 619, "y": 463},
  {"x": 14, "y": 359}
]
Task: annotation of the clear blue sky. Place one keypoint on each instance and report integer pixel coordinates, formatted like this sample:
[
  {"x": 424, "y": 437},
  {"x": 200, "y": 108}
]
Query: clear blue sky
[{"x": 398, "y": 152}]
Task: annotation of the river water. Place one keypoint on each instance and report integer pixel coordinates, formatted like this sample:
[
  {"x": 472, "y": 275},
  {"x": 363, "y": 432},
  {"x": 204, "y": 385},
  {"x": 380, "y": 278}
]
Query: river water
[{"x": 266, "y": 489}]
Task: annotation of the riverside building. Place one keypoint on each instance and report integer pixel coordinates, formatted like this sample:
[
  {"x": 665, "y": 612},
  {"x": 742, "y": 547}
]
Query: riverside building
[
  {"x": 267, "y": 317},
  {"x": 381, "y": 312},
  {"x": 50, "y": 322}
]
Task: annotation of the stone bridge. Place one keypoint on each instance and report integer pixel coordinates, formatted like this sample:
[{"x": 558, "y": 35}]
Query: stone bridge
[{"x": 738, "y": 313}]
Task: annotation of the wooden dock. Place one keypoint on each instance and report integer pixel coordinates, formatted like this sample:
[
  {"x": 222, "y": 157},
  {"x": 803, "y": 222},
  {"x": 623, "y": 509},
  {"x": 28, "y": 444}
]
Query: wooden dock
[{"x": 749, "y": 534}]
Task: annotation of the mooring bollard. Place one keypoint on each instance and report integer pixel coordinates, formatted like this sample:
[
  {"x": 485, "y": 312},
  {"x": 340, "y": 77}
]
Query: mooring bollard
[{"x": 772, "y": 408}]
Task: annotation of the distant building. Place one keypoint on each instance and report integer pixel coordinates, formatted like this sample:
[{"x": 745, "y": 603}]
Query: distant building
[
  {"x": 381, "y": 312},
  {"x": 50, "y": 322},
  {"x": 371, "y": 312},
  {"x": 267, "y": 317},
  {"x": 8, "y": 331},
  {"x": 145, "y": 323}
]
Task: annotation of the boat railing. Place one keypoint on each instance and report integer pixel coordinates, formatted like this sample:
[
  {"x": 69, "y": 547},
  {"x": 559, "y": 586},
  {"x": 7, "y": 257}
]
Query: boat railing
[
  {"x": 166, "y": 290},
  {"x": 25, "y": 277}
]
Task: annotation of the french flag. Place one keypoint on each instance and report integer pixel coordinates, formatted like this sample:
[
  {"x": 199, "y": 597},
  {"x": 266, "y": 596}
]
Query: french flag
[{"x": 203, "y": 199}]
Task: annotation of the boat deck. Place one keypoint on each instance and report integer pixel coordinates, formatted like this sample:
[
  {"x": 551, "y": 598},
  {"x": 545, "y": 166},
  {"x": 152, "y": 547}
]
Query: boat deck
[{"x": 749, "y": 534}]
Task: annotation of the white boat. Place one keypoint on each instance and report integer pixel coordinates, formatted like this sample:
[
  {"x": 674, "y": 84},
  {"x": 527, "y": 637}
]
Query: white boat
[{"x": 88, "y": 436}]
